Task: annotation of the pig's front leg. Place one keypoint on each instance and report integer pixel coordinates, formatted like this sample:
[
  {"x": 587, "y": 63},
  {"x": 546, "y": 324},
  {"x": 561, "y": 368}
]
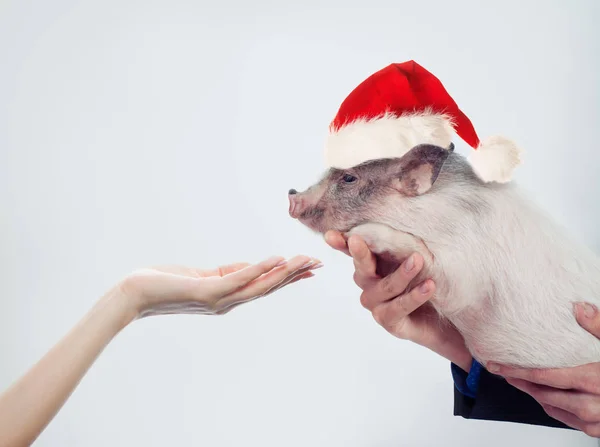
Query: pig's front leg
[{"x": 391, "y": 246}]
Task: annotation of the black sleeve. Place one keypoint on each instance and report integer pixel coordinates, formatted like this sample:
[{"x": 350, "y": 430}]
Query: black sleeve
[{"x": 497, "y": 400}]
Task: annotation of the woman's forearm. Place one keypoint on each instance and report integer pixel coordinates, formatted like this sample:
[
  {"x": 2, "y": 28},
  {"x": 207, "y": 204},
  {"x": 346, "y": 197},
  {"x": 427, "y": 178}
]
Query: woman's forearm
[{"x": 31, "y": 403}]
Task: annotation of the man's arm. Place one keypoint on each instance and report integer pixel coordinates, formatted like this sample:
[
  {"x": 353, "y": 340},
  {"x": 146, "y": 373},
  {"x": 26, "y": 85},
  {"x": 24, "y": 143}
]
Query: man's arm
[
  {"x": 405, "y": 314},
  {"x": 485, "y": 396}
]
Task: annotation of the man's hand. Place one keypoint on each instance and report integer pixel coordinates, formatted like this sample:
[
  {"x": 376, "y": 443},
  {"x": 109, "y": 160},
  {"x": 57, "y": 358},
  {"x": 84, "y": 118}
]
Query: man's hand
[
  {"x": 570, "y": 395},
  {"x": 403, "y": 313}
]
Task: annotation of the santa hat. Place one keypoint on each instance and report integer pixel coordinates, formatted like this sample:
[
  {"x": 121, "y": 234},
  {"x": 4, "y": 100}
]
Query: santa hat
[{"x": 402, "y": 106}]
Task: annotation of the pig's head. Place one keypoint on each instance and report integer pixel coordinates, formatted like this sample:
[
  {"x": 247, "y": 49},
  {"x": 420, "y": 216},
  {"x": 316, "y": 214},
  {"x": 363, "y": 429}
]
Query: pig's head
[{"x": 343, "y": 199}]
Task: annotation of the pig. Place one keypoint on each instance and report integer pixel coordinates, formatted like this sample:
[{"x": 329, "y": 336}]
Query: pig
[{"x": 506, "y": 274}]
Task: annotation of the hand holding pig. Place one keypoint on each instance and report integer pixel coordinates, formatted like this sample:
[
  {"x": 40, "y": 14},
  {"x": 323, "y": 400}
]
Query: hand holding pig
[
  {"x": 405, "y": 314},
  {"x": 570, "y": 395}
]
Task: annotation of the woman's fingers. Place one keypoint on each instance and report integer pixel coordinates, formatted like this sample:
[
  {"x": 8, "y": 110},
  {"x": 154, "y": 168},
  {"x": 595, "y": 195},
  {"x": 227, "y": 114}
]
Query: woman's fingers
[
  {"x": 260, "y": 286},
  {"x": 300, "y": 277},
  {"x": 239, "y": 297},
  {"x": 240, "y": 278},
  {"x": 179, "y": 289},
  {"x": 289, "y": 279},
  {"x": 193, "y": 272},
  {"x": 292, "y": 279},
  {"x": 224, "y": 269}
]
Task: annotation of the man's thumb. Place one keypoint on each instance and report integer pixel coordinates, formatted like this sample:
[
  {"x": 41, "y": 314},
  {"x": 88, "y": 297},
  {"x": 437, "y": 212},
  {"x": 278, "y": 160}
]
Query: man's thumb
[{"x": 588, "y": 317}]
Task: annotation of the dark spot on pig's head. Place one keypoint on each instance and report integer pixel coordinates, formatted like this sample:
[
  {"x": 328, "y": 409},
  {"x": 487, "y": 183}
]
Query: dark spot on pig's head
[
  {"x": 343, "y": 199},
  {"x": 314, "y": 213},
  {"x": 340, "y": 200}
]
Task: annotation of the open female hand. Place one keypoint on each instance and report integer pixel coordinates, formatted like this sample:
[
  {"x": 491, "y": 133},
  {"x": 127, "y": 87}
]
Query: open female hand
[
  {"x": 184, "y": 290},
  {"x": 403, "y": 313},
  {"x": 30, "y": 403}
]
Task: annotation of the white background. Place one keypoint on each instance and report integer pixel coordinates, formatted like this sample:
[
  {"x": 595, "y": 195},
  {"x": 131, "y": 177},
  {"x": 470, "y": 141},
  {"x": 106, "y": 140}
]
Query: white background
[{"x": 135, "y": 133}]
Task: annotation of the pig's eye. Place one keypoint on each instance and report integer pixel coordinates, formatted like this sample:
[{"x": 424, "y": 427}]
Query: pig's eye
[{"x": 349, "y": 178}]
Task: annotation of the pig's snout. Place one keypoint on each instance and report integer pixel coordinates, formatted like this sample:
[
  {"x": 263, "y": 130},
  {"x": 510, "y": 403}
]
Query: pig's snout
[
  {"x": 296, "y": 204},
  {"x": 308, "y": 207}
]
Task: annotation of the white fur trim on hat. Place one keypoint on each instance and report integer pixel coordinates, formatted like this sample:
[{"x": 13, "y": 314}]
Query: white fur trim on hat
[
  {"x": 387, "y": 136},
  {"x": 495, "y": 159}
]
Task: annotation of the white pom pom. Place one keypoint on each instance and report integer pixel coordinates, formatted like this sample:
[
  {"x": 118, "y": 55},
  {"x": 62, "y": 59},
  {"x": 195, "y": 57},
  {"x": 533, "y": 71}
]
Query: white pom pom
[{"x": 495, "y": 159}]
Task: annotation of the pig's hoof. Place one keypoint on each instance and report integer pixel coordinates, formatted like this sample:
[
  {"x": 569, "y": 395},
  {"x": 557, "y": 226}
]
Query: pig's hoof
[
  {"x": 378, "y": 237},
  {"x": 390, "y": 243}
]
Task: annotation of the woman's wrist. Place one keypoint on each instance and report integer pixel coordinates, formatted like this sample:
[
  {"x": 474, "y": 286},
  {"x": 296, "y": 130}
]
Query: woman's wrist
[{"x": 119, "y": 309}]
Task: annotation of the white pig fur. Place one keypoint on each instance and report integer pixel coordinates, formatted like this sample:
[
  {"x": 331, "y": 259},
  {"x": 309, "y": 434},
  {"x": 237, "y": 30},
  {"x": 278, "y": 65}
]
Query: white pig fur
[{"x": 506, "y": 274}]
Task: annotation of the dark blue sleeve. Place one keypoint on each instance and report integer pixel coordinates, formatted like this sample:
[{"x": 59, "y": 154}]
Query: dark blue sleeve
[
  {"x": 481, "y": 395},
  {"x": 467, "y": 384}
]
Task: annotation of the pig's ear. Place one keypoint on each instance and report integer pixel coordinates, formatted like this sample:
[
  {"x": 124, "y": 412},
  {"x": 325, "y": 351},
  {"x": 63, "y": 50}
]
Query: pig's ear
[{"x": 419, "y": 169}]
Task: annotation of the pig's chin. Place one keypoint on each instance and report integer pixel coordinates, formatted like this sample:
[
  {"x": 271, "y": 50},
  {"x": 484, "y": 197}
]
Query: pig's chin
[
  {"x": 387, "y": 263},
  {"x": 321, "y": 226},
  {"x": 315, "y": 225}
]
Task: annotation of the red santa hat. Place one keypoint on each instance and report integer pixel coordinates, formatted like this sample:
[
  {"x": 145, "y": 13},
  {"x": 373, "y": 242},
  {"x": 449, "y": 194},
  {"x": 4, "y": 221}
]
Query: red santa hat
[{"x": 402, "y": 106}]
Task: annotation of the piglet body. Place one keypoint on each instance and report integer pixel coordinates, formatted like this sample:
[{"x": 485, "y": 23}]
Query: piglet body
[{"x": 506, "y": 274}]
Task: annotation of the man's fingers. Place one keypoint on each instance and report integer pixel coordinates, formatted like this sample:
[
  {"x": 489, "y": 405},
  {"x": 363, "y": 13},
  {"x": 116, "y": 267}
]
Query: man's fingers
[
  {"x": 580, "y": 404},
  {"x": 336, "y": 241},
  {"x": 590, "y": 429},
  {"x": 392, "y": 313},
  {"x": 394, "y": 284},
  {"x": 564, "y": 416},
  {"x": 365, "y": 263},
  {"x": 582, "y": 377},
  {"x": 588, "y": 317},
  {"x": 565, "y": 378},
  {"x": 397, "y": 282}
]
